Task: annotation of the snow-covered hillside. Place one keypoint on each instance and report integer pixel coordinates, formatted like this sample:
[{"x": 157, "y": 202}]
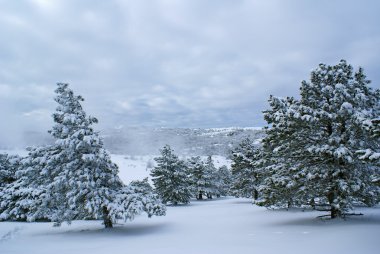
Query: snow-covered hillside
[
  {"x": 146, "y": 141},
  {"x": 184, "y": 141}
]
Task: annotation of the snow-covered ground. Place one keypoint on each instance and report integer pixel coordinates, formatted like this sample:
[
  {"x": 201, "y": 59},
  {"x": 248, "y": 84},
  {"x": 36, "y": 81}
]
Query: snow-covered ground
[{"x": 219, "y": 226}]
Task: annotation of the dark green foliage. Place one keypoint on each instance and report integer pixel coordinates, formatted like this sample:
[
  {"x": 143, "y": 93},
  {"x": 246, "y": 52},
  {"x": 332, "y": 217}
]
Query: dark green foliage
[
  {"x": 8, "y": 167},
  {"x": 246, "y": 159},
  {"x": 171, "y": 179},
  {"x": 223, "y": 181},
  {"x": 200, "y": 179},
  {"x": 207, "y": 180}
]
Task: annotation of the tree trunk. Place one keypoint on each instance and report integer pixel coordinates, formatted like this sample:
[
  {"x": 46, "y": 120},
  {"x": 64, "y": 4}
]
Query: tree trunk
[
  {"x": 334, "y": 212},
  {"x": 200, "y": 195},
  {"x": 312, "y": 203},
  {"x": 255, "y": 194},
  {"x": 106, "y": 218},
  {"x": 290, "y": 203}
]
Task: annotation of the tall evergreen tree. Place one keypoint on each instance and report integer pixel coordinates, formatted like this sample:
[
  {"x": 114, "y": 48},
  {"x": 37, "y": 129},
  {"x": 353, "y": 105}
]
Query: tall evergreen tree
[
  {"x": 84, "y": 178},
  {"x": 197, "y": 176},
  {"x": 314, "y": 141},
  {"x": 74, "y": 178},
  {"x": 171, "y": 179}
]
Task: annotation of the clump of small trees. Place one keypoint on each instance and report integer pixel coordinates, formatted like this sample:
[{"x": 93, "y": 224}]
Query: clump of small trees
[{"x": 177, "y": 181}]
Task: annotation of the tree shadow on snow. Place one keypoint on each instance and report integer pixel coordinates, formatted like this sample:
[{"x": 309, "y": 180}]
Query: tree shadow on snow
[
  {"x": 119, "y": 230},
  {"x": 136, "y": 229},
  {"x": 239, "y": 202},
  {"x": 369, "y": 219}
]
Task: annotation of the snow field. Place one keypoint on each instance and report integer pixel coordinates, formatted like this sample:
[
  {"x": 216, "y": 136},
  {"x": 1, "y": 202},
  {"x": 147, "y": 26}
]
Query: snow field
[
  {"x": 225, "y": 225},
  {"x": 219, "y": 226}
]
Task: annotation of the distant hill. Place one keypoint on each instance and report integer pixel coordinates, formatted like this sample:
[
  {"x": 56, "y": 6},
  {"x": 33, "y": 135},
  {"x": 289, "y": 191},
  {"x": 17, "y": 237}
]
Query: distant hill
[
  {"x": 185, "y": 141},
  {"x": 148, "y": 141}
]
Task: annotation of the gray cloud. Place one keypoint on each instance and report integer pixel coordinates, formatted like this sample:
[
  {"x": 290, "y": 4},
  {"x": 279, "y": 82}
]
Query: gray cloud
[{"x": 174, "y": 63}]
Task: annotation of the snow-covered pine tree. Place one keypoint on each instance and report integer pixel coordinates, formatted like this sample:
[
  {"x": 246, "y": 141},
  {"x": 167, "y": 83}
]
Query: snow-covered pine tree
[
  {"x": 345, "y": 103},
  {"x": 315, "y": 140},
  {"x": 84, "y": 178},
  {"x": 197, "y": 176},
  {"x": 203, "y": 177},
  {"x": 74, "y": 178},
  {"x": 245, "y": 171},
  {"x": 171, "y": 179}
]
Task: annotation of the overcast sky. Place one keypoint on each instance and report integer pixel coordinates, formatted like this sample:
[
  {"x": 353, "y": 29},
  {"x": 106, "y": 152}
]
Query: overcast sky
[{"x": 193, "y": 63}]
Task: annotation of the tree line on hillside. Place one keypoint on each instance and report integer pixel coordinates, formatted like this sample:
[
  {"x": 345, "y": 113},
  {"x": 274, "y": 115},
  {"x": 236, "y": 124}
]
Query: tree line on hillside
[{"x": 321, "y": 150}]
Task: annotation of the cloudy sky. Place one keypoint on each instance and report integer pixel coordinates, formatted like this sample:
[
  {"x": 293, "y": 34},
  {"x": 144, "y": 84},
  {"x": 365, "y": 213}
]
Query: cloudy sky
[{"x": 189, "y": 63}]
